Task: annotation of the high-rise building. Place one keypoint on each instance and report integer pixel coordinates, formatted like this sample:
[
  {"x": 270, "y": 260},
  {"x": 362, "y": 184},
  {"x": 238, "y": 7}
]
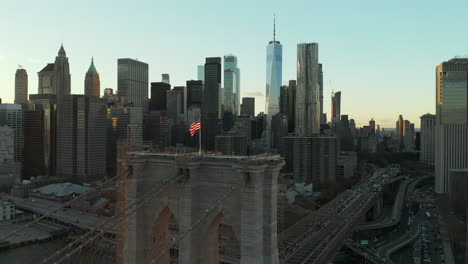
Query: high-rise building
[
  {"x": 118, "y": 121},
  {"x": 346, "y": 135},
  {"x": 201, "y": 72},
  {"x": 158, "y": 96},
  {"x": 323, "y": 119},
  {"x": 62, "y": 77},
  {"x": 248, "y": 106},
  {"x": 312, "y": 159},
  {"x": 165, "y": 78},
  {"x": 174, "y": 105},
  {"x": 336, "y": 109},
  {"x": 92, "y": 82},
  {"x": 47, "y": 103},
  {"x": 231, "y": 84},
  {"x": 46, "y": 80},
  {"x": 33, "y": 140},
  {"x": 372, "y": 125},
  {"x": 291, "y": 106},
  {"x": 194, "y": 93},
  {"x": 133, "y": 82},
  {"x": 81, "y": 138},
  {"x": 427, "y": 144},
  {"x": 21, "y": 86},
  {"x": 10, "y": 169},
  {"x": 12, "y": 115},
  {"x": 451, "y": 149},
  {"x": 284, "y": 100},
  {"x": 274, "y": 75},
  {"x": 210, "y": 106},
  {"x": 307, "y": 91},
  {"x": 231, "y": 144},
  {"x": 183, "y": 92}
]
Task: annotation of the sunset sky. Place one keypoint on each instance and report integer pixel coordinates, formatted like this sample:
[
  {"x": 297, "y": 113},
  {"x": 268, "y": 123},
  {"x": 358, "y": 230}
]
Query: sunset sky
[{"x": 380, "y": 54}]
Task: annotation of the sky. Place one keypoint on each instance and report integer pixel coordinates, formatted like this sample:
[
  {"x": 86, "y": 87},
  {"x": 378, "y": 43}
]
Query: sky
[{"x": 380, "y": 54}]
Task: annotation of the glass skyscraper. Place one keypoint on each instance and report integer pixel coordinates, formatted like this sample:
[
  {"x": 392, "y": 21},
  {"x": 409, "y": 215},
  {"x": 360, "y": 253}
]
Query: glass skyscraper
[
  {"x": 274, "y": 73},
  {"x": 231, "y": 84},
  {"x": 451, "y": 140}
]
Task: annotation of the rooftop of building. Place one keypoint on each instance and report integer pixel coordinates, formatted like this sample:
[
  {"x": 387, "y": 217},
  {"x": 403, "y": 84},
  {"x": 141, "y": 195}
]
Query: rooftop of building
[
  {"x": 92, "y": 69},
  {"x": 10, "y": 107},
  {"x": 49, "y": 67},
  {"x": 62, "y": 189},
  {"x": 4, "y": 202}
]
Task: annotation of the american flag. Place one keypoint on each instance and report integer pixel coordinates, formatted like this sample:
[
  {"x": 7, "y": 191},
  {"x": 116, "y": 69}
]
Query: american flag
[{"x": 194, "y": 127}]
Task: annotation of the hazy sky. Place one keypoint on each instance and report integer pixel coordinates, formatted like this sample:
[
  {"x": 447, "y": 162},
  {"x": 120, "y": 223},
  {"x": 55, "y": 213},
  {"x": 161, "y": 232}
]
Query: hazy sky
[{"x": 381, "y": 54}]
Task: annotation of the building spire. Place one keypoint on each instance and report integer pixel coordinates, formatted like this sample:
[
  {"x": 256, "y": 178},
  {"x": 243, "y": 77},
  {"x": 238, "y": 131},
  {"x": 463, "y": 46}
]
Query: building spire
[{"x": 274, "y": 27}]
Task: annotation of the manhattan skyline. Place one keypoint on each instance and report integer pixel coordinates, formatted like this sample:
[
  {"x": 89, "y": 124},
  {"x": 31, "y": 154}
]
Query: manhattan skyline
[{"x": 381, "y": 56}]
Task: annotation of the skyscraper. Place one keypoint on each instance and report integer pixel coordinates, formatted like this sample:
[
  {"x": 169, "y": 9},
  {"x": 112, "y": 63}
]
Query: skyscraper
[
  {"x": 158, "y": 95},
  {"x": 12, "y": 116},
  {"x": 201, "y": 72},
  {"x": 231, "y": 84},
  {"x": 62, "y": 75},
  {"x": 451, "y": 149},
  {"x": 322, "y": 116},
  {"x": 336, "y": 109},
  {"x": 21, "y": 86},
  {"x": 291, "y": 106},
  {"x": 248, "y": 106},
  {"x": 82, "y": 138},
  {"x": 427, "y": 155},
  {"x": 210, "y": 108},
  {"x": 133, "y": 82},
  {"x": 33, "y": 140},
  {"x": 308, "y": 90},
  {"x": 46, "y": 80},
  {"x": 194, "y": 93},
  {"x": 92, "y": 82},
  {"x": 274, "y": 73},
  {"x": 165, "y": 78}
]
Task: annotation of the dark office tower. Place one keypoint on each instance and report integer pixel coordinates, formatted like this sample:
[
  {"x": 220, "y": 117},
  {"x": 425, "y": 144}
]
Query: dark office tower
[
  {"x": 231, "y": 84},
  {"x": 183, "y": 92},
  {"x": 133, "y": 82},
  {"x": 320, "y": 72},
  {"x": 231, "y": 144},
  {"x": 258, "y": 126},
  {"x": 291, "y": 106},
  {"x": 158, "y": 96},
  {"x": 81, "y": 138},
  {"x": 347, "y": 137},
  {"x": 21, "y": 86},
  {"x": 194, "y": 93},
  {"x": 92, "y": 83},
  {"x": 33, "y": 140},
  {"x": 210, "y": 106},
  {"x": 336, "y": 110},
  {"x": 47, "y": 103},
  {"x": 165, "y": 78},
  {"x": 158, "y": 129},
  {"x": 62, "y": 75},
  {"x": 248, "y": 106},
  {"x": 118, "y": 121},
  {"x": 174, "y": 105},
  {"x": 46, "y": 80},
  {"x": 307, "y": 91},
  {"x": 372, "y": 125},
  {"x": 279, "y": 129},
  {"x": 284, "y": 100}
]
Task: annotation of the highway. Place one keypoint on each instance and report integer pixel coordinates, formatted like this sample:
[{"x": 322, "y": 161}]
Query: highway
[{"x": 317, "y": 237}]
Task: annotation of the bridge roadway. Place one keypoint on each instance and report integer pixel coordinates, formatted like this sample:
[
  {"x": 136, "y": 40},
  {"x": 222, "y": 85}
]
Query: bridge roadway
[
  {"x": 370, "y": 255},
  {"x": 67, "y": 216},
  {"x": 317, "y": 237}
]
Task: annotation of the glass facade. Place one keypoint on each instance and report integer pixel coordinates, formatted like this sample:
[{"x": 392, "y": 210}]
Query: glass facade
[
  {"x": 274, "y": 73},
  {"x": 231, "y": 84}
]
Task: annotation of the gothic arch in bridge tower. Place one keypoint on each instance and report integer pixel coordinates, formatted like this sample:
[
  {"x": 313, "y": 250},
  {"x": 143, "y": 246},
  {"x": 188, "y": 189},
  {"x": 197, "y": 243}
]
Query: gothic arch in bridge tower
[{"x": 164, "y": 229}]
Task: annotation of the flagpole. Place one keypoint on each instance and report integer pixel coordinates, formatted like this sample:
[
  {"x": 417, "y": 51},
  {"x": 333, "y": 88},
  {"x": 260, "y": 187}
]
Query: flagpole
[{"x": 199, "y": 140}]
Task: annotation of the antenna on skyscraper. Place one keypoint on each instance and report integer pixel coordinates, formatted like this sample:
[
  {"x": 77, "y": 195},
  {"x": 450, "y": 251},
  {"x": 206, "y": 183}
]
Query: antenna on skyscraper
[{"x": 274, "y": 27}]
